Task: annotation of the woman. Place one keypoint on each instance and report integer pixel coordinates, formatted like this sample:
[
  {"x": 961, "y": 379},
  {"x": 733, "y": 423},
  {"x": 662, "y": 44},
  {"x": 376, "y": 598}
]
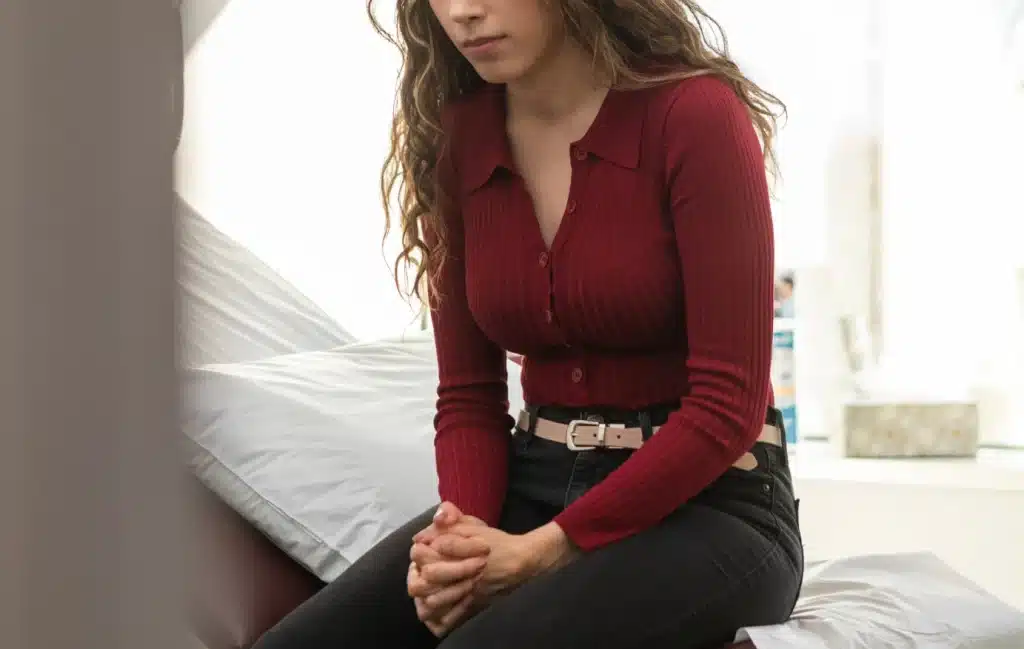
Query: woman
[{"x": 583, "y": 184}]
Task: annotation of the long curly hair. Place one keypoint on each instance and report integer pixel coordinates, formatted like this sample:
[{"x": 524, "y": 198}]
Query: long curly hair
[{"x": 634, "y": 43}]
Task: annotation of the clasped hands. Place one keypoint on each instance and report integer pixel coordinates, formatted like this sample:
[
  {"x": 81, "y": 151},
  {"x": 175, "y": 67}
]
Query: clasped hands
[{"x": 458, "y": 563}]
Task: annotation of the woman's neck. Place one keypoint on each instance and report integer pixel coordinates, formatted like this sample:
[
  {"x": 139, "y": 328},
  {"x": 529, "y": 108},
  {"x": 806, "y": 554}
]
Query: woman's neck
[{"x": 558, "y": 87}]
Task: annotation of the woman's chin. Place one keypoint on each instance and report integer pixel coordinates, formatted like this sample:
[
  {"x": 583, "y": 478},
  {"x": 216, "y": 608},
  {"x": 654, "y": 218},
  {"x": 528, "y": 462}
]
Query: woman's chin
[{"x": 498, "y": 72}]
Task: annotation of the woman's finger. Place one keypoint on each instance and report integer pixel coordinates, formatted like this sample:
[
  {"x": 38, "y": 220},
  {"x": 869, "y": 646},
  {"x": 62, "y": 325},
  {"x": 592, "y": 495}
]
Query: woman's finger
[
  {"x": 452, "y": 619},
  {"x": 436, "y": 628},
  {"x": 465, "y": 529},
  {"x": 457, "y": 615},
  {"x": 420, "y": 587},
  {"x": 447, "y": 514},
  {"x": 442, "y": 601},
  {"x": 422, "y": 612},
  {"x": 452, "y": 546},
  {"x": 421, "y": 554},
  {"x": 416, "y": 585},
  {"x": 427, "y": 534},
  {"x": 444, "y": 573}
]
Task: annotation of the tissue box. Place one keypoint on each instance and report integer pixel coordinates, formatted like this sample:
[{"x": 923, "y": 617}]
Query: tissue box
[{"x": 882, "y": 429}]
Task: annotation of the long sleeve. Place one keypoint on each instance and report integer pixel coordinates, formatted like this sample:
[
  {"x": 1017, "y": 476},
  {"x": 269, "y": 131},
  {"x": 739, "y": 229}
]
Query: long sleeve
[
  {"x": 472, "y": 422},
  {"x": 720, "y": 210}
]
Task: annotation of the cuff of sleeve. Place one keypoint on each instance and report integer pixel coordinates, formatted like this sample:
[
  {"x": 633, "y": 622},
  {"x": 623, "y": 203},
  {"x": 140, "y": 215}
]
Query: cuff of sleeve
[
  {"x": 485, "y": 506},
  {"x": 589, "y": 532}
]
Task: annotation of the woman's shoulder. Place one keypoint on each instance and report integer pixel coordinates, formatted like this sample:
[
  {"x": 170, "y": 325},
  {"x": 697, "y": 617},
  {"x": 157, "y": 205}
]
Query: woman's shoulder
[
  {"x": 702, "y": 115},
  {"x": 696, "y": 100}
]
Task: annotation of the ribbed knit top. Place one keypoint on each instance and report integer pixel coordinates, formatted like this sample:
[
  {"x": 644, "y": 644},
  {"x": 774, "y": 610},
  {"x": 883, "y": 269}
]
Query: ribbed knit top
[{"x": 658, "y": 288}]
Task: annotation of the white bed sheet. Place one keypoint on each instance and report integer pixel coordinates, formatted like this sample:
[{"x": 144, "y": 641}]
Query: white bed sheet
[
  {"x": 236, "y": 308},
  {"x": 895, "y": 601}
]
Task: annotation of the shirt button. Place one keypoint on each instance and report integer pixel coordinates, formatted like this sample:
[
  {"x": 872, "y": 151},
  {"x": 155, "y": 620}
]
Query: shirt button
[
  {"x": 579, "y": 153},
  {"x": 571, "y": 207},
  {"x": 549, "y": 316},
  {"x": 577, "y": 375},
  {"x": 544, "y": 260}
]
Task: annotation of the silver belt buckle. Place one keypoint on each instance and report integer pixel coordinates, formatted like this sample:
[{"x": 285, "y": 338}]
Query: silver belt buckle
[{"x": 570, "y": 434}]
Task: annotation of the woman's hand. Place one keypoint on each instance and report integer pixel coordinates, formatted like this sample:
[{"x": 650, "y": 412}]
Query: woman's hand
[
  {"x": 513, "y": 558},
  {"x": 441, "y": 585},
  {"x": 446, "y": 515},
  {"x": 443, "y": 607}
]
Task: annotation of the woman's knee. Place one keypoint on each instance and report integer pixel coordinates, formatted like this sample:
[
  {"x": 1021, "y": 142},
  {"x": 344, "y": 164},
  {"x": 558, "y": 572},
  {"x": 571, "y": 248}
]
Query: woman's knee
[{"x": 367, "y": 603}]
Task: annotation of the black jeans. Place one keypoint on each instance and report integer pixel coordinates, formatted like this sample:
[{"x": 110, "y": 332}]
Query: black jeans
[{"x": 729, "y": 558}]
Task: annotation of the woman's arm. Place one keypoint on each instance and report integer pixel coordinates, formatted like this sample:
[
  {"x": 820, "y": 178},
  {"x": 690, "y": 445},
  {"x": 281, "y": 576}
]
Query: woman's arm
[
  {"x": 472, "y": 422},
  {"x": 720, "y": 210}
]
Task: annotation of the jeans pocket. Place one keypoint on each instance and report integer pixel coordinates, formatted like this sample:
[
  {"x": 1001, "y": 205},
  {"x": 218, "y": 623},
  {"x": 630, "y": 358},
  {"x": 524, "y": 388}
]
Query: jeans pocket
[
  {"x": 786, "y": 509},
  {"x": 749, "y": 495}
]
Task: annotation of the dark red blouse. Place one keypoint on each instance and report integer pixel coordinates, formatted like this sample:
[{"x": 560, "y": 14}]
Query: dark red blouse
[{"x": 658, "y": 288}]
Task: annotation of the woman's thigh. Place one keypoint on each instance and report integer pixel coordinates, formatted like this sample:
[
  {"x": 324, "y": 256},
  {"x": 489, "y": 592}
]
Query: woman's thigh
[
  {"x": 688, "y": 583},
  {"x": 367, "y": 606}
]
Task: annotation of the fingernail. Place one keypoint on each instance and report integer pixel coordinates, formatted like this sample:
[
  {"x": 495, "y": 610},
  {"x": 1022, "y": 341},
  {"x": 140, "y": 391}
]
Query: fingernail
[{"x": 439, "y": 513}]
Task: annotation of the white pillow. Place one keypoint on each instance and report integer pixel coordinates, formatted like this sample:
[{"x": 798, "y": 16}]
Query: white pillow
[
  {"x": 898, "y": 601},
  {"x": 324, "y": 452},
  {"x": 236, "y": 308}
]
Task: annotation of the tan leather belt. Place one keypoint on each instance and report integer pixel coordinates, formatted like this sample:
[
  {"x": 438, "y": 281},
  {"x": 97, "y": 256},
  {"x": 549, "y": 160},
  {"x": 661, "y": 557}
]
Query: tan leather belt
[{"x": 585, "y": 435}]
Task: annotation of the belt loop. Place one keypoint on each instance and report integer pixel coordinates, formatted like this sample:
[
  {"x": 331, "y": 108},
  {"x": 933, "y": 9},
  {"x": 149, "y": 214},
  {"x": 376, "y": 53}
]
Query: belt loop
[
  {"x": 774, "y": 418},
  {"x": 531, "y": 414},
  {"x": 644, "y": 419}
]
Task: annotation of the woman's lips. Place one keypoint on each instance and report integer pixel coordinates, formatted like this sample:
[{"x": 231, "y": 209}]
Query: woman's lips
[{"x": 482, "y": 47}]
